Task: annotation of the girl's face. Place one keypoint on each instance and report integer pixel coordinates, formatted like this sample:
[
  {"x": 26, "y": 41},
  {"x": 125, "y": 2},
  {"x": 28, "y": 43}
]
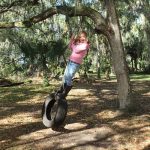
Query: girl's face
[{"x": 82, "y": 37}]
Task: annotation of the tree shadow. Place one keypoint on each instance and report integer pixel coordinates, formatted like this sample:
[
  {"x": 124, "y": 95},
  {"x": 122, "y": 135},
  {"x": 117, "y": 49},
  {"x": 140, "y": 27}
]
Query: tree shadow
[
  {"x": 13, "y": 99},
  {"x": 21, "y": 93},
  {"x": 147, "y": 147},
  {"x": 85, "y": 109}
]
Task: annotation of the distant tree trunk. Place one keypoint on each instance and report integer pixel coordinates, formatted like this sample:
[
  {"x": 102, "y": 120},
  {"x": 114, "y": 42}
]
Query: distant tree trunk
[
  {"x": 39, "y": 73},
  {"x": 118, "y": 57},
  {"x": 147, "y": 32},
  {"x": 44, "y": 67},
  {"x": 98, "y": 58},
  {"x": 132, "y": 64},
  {"x": 135, "y": 63},
  {"x": 30, "y": 70}
]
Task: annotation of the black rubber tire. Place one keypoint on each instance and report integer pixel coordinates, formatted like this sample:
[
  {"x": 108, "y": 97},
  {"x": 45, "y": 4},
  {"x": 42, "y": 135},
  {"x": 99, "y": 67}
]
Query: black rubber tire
[
  {"x": 48, "y": 121},
  {"x": 57, "y": 118},
  {"x": 61, "y": 114}
]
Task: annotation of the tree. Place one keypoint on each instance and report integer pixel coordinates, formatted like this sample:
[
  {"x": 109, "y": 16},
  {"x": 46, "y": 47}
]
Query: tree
[
  {"x": 109, "y": 26},
  {"x": 135, "y": 33},
  {"x": 118, "y": 56}
]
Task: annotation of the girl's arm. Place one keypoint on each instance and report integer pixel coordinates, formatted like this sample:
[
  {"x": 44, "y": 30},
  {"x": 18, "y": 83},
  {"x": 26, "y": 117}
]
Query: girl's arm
[
  {"x": 82, "y": 47},
  {"x": 71, "y": 41}
]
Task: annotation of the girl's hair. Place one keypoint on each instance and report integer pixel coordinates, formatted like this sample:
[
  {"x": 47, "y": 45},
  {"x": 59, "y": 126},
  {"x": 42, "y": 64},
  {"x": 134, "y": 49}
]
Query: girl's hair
[
  {"x": 83, "y": 32},
  {"x": 77, "y": 39}
]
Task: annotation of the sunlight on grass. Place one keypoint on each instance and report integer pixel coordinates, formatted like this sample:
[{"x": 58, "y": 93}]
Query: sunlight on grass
[
  {"x": 76, "y": 126},
  {"x": 142, "y": 77},
  {"x": 135, "y": 77}
]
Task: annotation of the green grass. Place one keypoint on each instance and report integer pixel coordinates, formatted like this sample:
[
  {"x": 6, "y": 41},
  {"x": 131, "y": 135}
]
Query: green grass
[
  {"x": 143, "y": 77},
  {"x": 136, "y": 77},
  {"x": 23, "y": 93},
  {"x": 133, "y": 77},
  {"x": 28, "y": 91}
]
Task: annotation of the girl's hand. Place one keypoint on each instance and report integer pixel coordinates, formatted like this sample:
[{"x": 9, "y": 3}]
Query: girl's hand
[{"x": 72, "y": 37}]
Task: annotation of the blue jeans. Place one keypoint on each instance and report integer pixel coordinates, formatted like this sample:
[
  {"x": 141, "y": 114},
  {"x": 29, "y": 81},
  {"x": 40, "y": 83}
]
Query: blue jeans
[{"x": 70, "y": 71}]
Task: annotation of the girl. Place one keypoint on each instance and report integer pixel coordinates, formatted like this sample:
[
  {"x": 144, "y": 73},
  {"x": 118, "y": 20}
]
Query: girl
[{"x": 79, "y": 47}]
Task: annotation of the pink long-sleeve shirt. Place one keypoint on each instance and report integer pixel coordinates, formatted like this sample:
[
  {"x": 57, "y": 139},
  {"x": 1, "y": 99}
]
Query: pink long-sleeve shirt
[{"x": 79, "y": 51}]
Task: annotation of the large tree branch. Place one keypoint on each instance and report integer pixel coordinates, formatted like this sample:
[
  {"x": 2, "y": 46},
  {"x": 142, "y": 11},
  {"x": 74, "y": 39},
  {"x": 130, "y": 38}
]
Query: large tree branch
[
  {"x": 6, "y": 7},
  {"x": 99, "y": 20}
]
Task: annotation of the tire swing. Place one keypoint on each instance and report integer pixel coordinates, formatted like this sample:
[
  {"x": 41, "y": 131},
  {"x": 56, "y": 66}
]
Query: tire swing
[{"x": 54, "y": 111}]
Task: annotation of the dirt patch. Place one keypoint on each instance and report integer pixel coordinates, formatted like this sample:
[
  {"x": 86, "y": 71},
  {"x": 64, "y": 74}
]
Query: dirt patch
[{"x": 93, "y": 121}]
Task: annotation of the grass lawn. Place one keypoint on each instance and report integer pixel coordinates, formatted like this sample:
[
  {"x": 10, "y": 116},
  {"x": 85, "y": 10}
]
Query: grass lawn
[
  {"x": 142, "y": 77},
  {"x": 134, "y": 77}
]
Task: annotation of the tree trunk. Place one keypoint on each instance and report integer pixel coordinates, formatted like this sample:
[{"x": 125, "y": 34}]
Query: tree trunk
[
  {"x": 132, "y": 63},
  {"x": 147, "y": 27},
  {"x": 98, "y": 58},
  {"x": 118, "y": 57}
]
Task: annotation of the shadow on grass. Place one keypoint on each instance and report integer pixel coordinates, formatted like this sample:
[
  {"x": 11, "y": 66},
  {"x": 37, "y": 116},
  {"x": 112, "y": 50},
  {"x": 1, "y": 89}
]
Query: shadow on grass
[
  {"x": 13, "y": 99},
  {"x": 22, "y": 93},
  {"x": 107, "y": 100},
  {"x": 105, "y": 94}
]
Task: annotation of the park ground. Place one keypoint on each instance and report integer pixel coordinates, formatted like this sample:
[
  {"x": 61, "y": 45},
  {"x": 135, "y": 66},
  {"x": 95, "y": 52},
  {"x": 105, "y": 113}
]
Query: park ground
[{"x": 93, "y": 120}]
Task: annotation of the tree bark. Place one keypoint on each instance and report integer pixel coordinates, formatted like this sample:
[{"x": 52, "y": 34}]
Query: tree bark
[
  {"x": 147, "y": 33},
  {"x": 146, "y": 13},
  {"x": 118, "y": 57}
]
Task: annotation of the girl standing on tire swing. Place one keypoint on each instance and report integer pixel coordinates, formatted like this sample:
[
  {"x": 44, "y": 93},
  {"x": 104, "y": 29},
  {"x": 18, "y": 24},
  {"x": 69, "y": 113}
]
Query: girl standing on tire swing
[{"x": 79, "y": 47}]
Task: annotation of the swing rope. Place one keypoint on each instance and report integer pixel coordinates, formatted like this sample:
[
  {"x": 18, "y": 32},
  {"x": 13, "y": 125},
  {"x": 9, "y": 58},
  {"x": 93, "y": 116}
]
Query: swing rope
[{"x": 69, "y": 29}]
